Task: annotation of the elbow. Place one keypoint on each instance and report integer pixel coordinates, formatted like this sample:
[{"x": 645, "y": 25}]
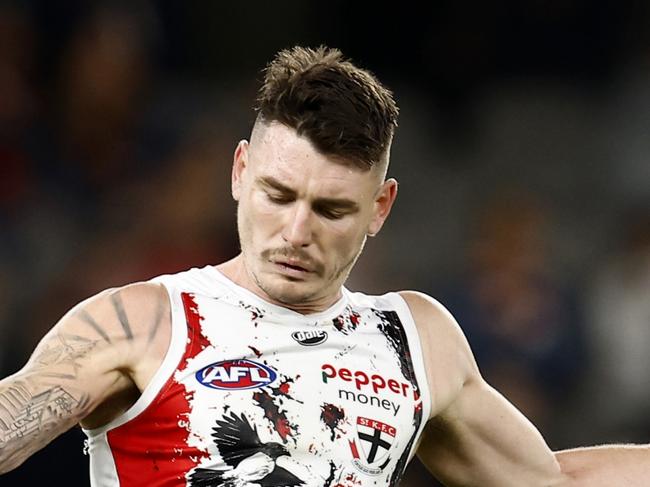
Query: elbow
[
  {"x": 572, "y": 470},
  {"x": 564, "y": 461}
]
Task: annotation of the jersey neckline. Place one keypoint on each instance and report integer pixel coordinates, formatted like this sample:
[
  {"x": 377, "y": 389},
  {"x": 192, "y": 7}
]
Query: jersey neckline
[{"x": 326, "y": 315}]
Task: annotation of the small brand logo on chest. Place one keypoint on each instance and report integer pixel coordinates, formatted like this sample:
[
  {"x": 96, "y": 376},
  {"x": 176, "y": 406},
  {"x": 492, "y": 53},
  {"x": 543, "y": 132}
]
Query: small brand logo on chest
[
  {"x": 236, "y": 374},
  {"x": 310, "y": 338}
]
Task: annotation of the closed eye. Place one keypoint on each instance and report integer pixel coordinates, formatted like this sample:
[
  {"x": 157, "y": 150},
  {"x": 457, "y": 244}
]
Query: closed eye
[
  {"x": 279, "y": 199},
  {"x": 331, "y": 213}
]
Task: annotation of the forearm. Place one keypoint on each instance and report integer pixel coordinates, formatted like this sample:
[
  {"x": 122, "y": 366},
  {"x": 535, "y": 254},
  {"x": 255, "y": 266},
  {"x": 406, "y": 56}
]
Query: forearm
[
  {"x": 33, "y": 412},
  {"x": 606, "y": 466}
]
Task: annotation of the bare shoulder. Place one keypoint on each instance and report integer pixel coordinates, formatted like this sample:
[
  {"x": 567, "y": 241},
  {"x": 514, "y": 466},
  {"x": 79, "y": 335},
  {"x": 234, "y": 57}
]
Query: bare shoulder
[
  {"x": 114, "y": 338},
  {"x": 427, "y": 311},
  {"x": 435, "y": 323},
  {"x": 130, "y": 313},
  {"x": 447, "y": 355},
  {"x": 131, "y": 325}
]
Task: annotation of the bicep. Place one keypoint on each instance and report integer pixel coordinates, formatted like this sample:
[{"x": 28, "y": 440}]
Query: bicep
[{"x": 483, "y": 440}]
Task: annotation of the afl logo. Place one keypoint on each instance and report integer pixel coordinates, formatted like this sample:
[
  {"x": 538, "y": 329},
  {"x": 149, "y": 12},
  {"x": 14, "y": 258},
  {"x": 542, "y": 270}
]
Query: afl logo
[
  {"x": 236, "y": 374},
  {"x": 309, "y": 338}
]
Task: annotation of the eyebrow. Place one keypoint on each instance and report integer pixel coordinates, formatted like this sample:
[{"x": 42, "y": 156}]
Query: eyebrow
[{"x": 342, "y": 203}]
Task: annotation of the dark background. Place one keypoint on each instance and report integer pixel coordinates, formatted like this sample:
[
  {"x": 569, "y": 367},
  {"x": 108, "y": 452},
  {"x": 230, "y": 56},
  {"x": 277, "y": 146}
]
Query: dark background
[{"x": 522, "y": 155}]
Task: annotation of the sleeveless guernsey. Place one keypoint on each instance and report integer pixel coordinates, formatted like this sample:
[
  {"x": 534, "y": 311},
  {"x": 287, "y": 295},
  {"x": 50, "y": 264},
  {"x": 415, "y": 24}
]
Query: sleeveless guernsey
[{"x": 251, "y": 394}]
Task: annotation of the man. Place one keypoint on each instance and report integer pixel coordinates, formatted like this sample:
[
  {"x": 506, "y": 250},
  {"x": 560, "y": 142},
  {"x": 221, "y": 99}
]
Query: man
[{"x": 264, "y": 370}]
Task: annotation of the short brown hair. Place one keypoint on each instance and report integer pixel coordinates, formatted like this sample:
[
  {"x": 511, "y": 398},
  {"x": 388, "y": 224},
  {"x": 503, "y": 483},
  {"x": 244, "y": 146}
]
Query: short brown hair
[{"x": 342, "y": 109}]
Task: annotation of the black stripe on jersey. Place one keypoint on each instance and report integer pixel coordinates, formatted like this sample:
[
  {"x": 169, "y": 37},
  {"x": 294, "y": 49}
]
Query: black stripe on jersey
[{"x": 391, "y": 326}]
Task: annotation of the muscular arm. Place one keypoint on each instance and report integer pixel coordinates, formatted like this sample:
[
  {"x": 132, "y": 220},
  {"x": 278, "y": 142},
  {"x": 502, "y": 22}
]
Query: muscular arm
[
  {"x": 94, "y": 353},
  {"x": 476, "y": 437},
  {"x": 611, "y": 465},
  {"x": 482, "y": 440}
]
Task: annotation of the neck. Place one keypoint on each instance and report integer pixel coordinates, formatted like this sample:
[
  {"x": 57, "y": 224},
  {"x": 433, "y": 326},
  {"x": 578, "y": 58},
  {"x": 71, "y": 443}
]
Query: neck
[{"x": 236, "y": 270}]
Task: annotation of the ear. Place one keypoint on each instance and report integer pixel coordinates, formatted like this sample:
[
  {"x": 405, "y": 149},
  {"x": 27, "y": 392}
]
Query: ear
[
  {"x": 239, "y": 164},
  {"x": 383, "y": 204}
]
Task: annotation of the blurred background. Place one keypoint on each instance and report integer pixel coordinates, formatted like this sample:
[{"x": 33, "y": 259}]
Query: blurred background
[{"x": 522, "y": 154}]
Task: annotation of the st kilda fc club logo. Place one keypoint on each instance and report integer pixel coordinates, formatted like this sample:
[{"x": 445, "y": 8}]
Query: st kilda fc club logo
[{"x": 371, "y": 445}]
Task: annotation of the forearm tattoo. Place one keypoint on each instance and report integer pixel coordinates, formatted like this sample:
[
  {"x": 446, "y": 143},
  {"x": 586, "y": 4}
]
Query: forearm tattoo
[
  {"x": 41, "y": 403},
  {"x": 26, "y": 413}
]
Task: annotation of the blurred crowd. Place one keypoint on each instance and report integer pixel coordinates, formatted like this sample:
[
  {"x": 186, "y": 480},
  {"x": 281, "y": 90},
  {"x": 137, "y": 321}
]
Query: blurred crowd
[{"x": 524, "y": 201}]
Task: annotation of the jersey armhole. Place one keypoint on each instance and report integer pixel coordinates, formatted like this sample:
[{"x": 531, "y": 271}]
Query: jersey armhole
[{"x": 417, "y": 356}]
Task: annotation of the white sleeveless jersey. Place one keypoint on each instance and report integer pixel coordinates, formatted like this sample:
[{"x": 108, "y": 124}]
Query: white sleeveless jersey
[{"x": 251, "y": 394}]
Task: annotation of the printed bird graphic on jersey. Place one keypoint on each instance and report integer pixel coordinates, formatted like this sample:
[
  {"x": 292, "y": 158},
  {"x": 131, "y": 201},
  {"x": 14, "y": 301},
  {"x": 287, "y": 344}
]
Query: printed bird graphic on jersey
[{"x": 251, "y": 462}]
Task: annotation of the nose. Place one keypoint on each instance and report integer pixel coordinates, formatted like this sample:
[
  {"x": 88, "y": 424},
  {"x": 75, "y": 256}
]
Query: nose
[{"x": 297, "y": 229}]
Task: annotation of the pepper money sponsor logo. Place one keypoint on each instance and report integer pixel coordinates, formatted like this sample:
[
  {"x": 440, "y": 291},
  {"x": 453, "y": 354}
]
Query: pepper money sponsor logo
[
  {"x": 366, "y": 384},
  {"x": 374, "y": 439},
  {"x": 236, "y": 374}
]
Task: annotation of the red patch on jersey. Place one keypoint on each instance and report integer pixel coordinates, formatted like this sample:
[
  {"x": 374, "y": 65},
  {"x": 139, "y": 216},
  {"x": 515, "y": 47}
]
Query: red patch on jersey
[
  {"x": 195, "y": 339},
  {"x": 153, "y": 445}
]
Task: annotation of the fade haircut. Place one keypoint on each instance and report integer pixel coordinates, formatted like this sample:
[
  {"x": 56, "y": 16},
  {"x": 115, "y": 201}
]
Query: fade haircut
[{"x": 342, "y": 109}]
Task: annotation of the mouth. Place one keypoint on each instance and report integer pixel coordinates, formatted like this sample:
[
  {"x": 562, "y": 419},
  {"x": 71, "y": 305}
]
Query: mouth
[{"x": 292, "y": 268}]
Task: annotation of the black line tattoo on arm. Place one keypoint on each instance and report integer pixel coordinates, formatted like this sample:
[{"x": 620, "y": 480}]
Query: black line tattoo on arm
[
  {"x": 86, "y": 318},
  {"x": 116, "y": 300},
  {"x": 160, "y": 309}
]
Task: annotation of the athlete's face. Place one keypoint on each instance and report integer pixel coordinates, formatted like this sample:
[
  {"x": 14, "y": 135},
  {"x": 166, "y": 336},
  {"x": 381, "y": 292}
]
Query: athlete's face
[{"x": 303, "y": 218}]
